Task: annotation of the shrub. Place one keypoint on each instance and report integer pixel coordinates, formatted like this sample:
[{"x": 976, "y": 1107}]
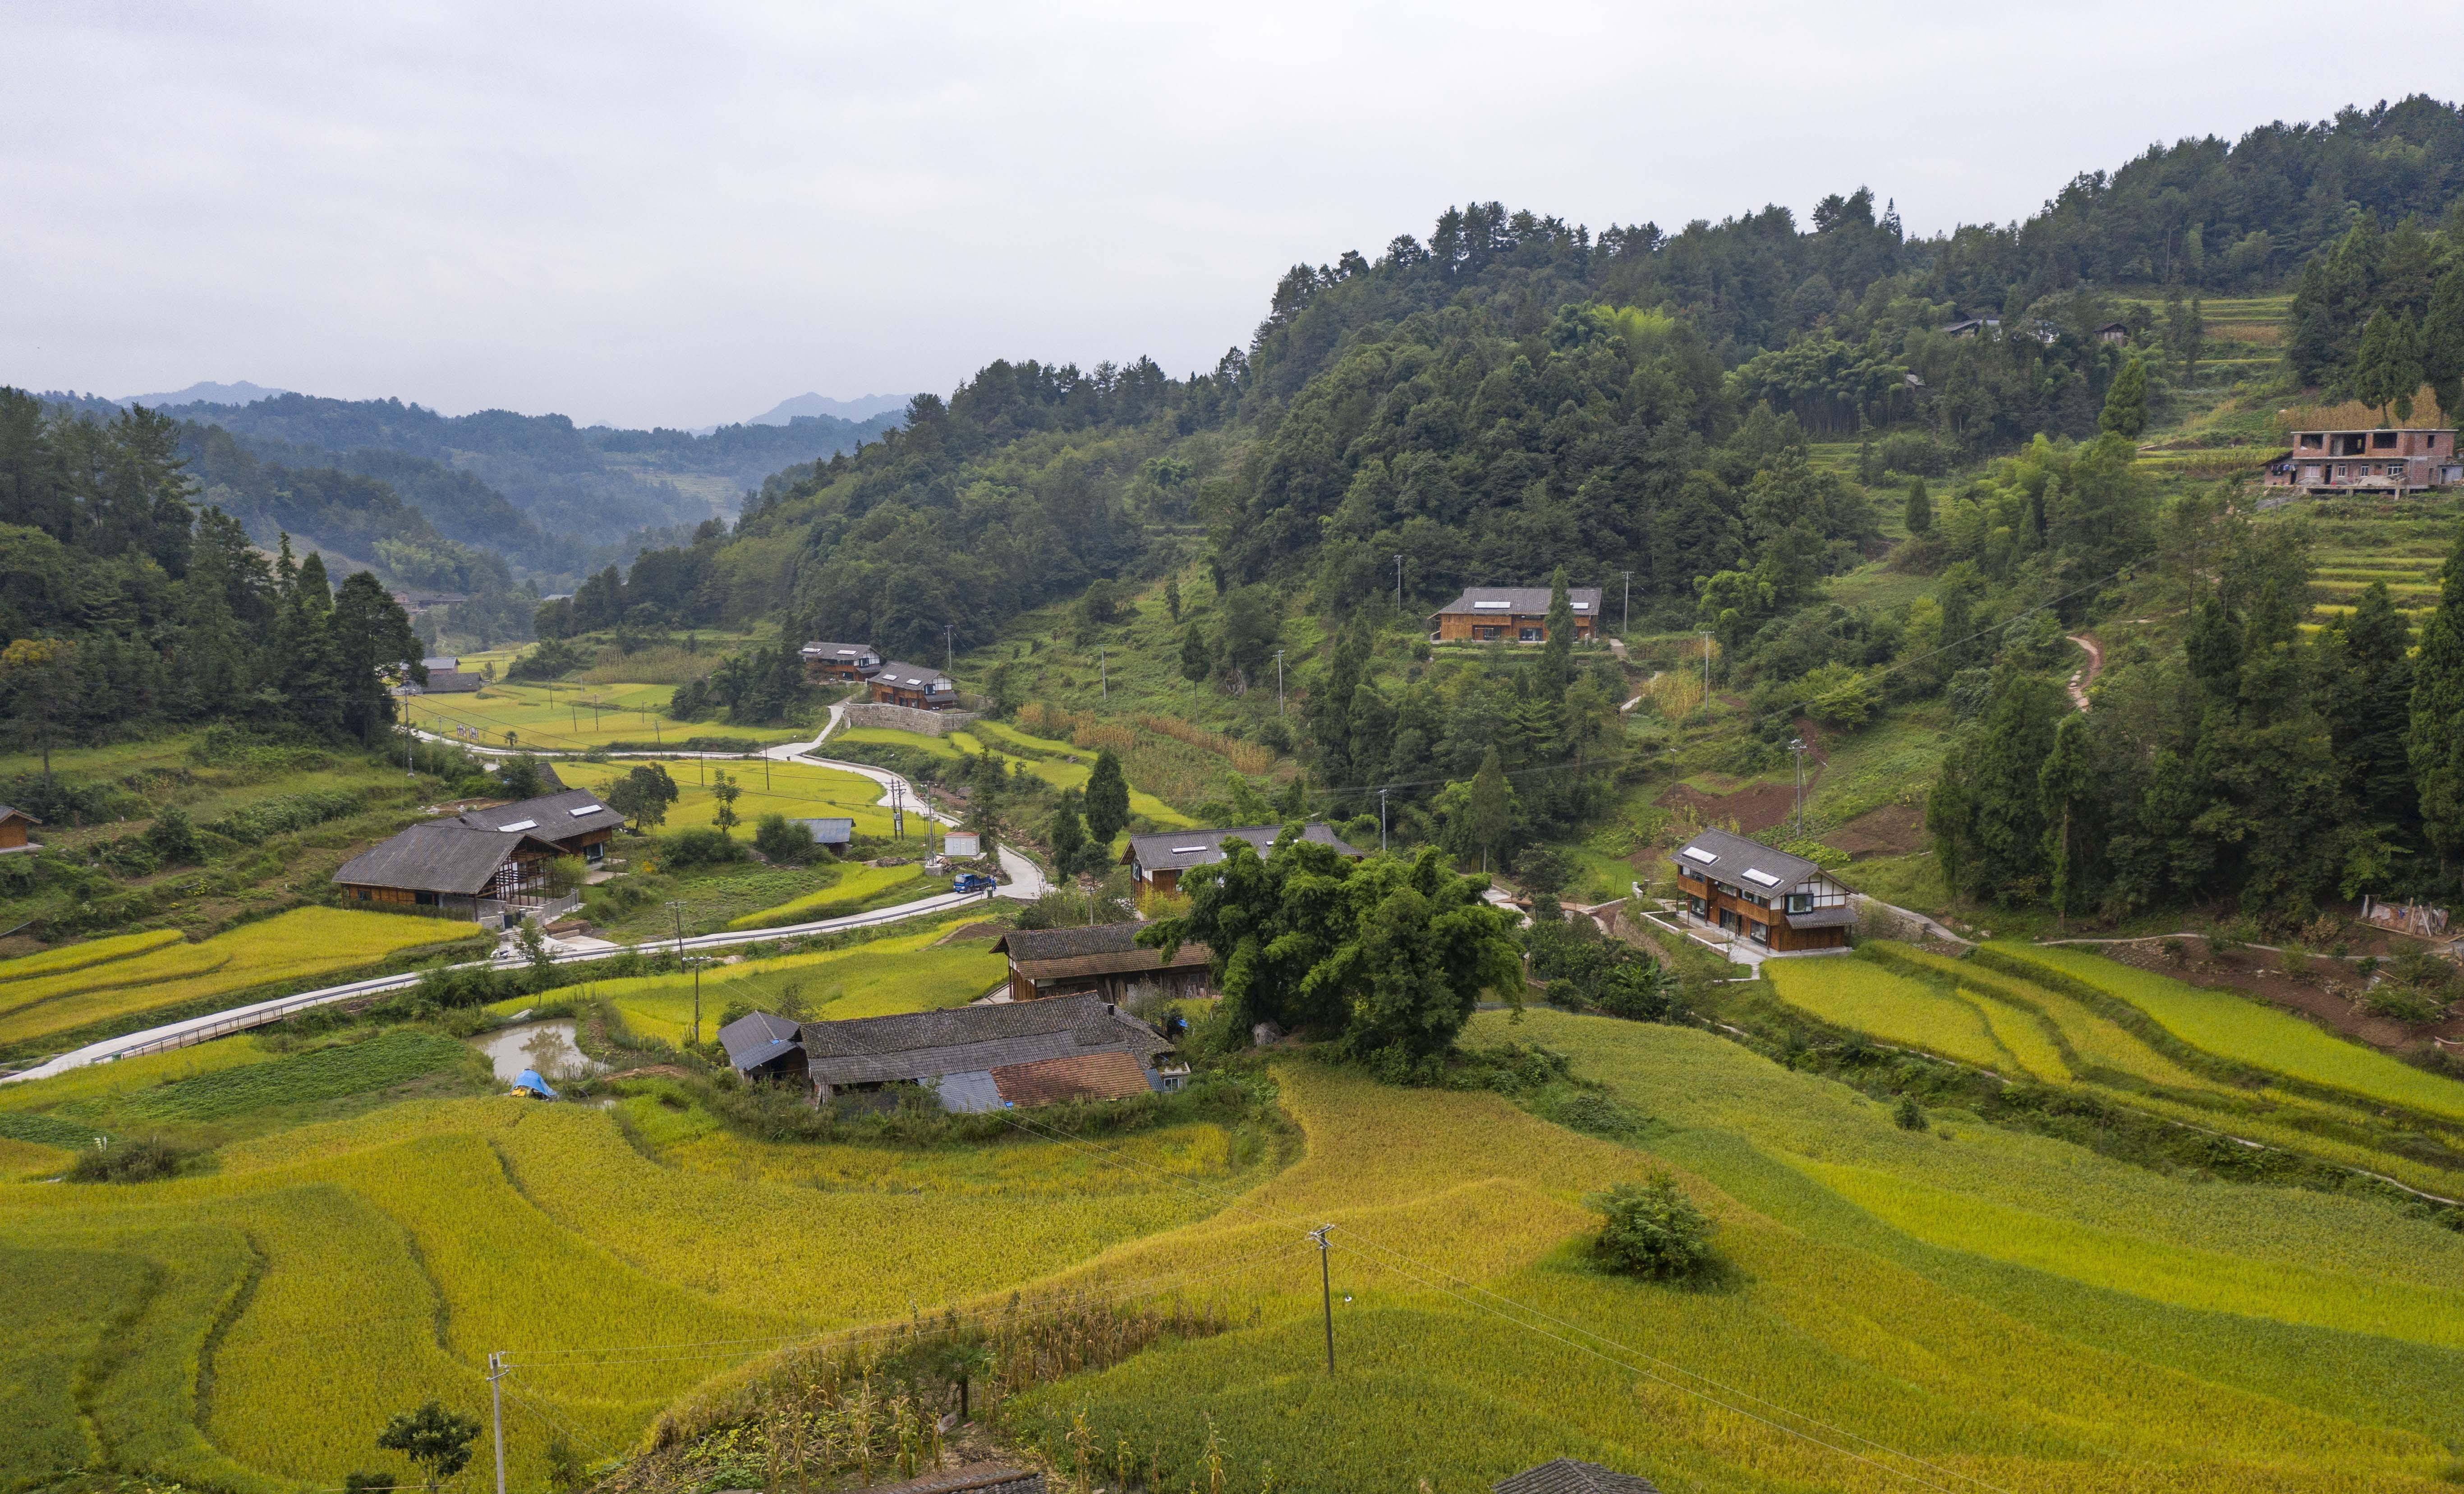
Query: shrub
[
  {"x": 128, "y": 1162},
  {"x": 546, "y": 661},
  {"x": 1908, "y": 1115},
  {"x": 1653, "y": 1229},
  {"x": 700, "y": 847},
  {"x": 783, "y": 840}
]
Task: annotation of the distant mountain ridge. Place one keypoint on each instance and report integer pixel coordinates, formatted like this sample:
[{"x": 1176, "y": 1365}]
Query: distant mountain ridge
[
  {"x": 858, "y": 409},
  {"x": 205, "y": 393}
]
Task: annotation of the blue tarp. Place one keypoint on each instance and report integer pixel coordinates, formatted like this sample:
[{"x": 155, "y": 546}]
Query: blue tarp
[{"x": 528, "y": 1080}]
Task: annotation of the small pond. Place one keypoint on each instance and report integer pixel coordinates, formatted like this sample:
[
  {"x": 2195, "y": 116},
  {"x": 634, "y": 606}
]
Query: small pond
[{"x": 545, "y": 1046}]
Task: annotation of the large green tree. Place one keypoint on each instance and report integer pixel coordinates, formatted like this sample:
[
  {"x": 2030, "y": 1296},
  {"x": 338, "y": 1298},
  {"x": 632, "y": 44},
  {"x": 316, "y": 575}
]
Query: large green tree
[{"x": 2436, "y": 740}]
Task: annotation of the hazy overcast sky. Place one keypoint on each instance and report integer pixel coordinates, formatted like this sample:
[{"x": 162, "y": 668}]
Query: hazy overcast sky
[{"x": 680, "y": 215}]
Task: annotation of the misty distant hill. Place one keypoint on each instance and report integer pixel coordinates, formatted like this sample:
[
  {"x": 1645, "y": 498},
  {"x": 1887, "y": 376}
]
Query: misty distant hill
[
  {"x": 863, "y": 409},
  {"x": 207, "y": 392}
]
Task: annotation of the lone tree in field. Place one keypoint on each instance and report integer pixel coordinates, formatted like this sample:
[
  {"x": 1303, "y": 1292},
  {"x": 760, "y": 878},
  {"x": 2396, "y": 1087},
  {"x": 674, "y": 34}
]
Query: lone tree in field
[
  {"x": 1652, "y": 1230},
  {"x": 724, "y": 790},
  {"x": 436, "y": 1440}
]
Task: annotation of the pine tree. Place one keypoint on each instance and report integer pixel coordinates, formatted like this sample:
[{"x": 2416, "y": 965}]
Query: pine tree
[
  {"x": 1066, "y": 836},
  {"x": 2067, "y": 785},
  {"x": 1491, "y": 809},
  {"x": 1557, "y": 653},
  {"x": 2126, "y": 402},
  {"x": 1172, "y": 597},
  {"x": 1920, "y": 514},
  {"x": 2442, "y": 345},
  {"x": 1197, "y": 660},
  {"x": 1108, "y": 799}
]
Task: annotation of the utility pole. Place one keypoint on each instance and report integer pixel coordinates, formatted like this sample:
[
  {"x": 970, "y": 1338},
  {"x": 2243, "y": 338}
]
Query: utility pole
[
  {"x": 697, "y": 961},
  {"x": 496, "y": 1404},
  {"x": 1279, "y": 681},
  {"x": 1797, "y": 754},
  {"x": 1398, "y": 585},
  {"x": 1626, "y": 623},
  {"x": 1381, "y": 821},
  {"x": 1103, "y": 675},
  {"x": 1326, "y": 1294},
  {"x": 897, "y": 810},
  {"x": 949, "y": 648},
  {"x": 1706, "y": 664},
  {"x": 676, "y": 907}
]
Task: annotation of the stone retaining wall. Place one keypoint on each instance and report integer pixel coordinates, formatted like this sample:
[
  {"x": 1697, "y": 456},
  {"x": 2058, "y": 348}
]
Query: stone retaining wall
[{"x": 907, "y": 718}]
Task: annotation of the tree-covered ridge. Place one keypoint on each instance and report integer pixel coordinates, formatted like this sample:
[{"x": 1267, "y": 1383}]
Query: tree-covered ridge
[
  {"x": 125, "y": 603},
  {"x": 2379, "y": 313}
]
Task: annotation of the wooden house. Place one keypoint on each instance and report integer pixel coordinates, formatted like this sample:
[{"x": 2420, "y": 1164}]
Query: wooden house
[
  {"x": 1784, "y": 902},
  {"x": 1515, "y": 613},
  {"x": 2356, "y": 461},
  {"x": 478, "y": 857},
  {"x": 453, "y": 868},
  {"x": 971, "y": 1059},
  {"x": 1157, "y": 862},
  {"x": 2112, "y": 332},
  {"x": 1104, "y": 960},
  {"x": 911, "y": 685},
  {"x": 15, "y": 823},
  {"x": 840, "y": 663}
]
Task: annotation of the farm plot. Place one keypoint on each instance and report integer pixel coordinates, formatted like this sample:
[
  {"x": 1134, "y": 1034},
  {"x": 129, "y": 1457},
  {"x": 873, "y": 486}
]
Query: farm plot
[
  {"x": 303, "y": 942},
  {"x": 989, "y": 737},
  {"x": 799, "y": 790},
  {"x": 856, "y": 890},
  {"x": 2233, "y": 1027},
  {"x": 574, "y": 718},
  {"x": 1862, "y": 995}
]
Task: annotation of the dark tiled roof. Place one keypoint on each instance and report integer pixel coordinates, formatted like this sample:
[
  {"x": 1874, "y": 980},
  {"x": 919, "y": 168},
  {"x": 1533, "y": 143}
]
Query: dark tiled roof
[
  {"x": 1567, "y": 1475},
  {"x": 450, "y": 681},
  {"x": 556, "y": 816},
  {"x": 975, "y": 1478},
  {"x": 1733, "y": 855},
  {"x": 446, "y": 855},
  {"x": 1113, "y": 1075},
  {"x": 922, "y": 1045},
  {"x": 911, "y": 677},
  {"x": 839, "y": 653},
  {"x": 1060, "y": 944},
  {"x": 1522, "y": 601},
  {"x": 8, "y": 810},
  {"x": 1190, "y": 956},
  {"x": 1843, "y": 917},
  {"x": 757, "y": 1038},
  {"x": 1179, "y": 850}
]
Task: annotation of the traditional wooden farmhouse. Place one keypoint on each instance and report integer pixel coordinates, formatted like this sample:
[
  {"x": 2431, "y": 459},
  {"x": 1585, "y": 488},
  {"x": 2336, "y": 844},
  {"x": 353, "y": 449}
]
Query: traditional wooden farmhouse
[
  {"x": 478, "y": 857},
  {"x": 453, "y": 868},
  {"x": 840, "y": 663},
  {"x": 14, "y": 822},
  {"x": 2112, "y": 332},
  {"x": 1781, "y": 902},
  {"x": 971, "y": 1059},
  {"x": 912, "y": 684},
  {"x": 1157, "y": 862},
  {"x": 2357, "y": 462},
  {"x": 441, "y": 681},
  {"x": 1516, "y": 613},
  {"x": 1104, "y": 960},
  {"x": 1571, "y": 1476}
]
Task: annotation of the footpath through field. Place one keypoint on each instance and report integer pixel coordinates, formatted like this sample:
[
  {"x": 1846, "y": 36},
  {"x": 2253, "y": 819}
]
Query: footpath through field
[{"x": 1025, "y": 881}]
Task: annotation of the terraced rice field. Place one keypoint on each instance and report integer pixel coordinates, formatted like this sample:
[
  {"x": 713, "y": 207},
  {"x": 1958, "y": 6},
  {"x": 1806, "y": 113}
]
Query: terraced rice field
[
  {"x": 856, "y": 889},
  {"x": 143, "y": 977},
  {"x": 572, "y": 718},
  {"x": 2235, "y": 1028},
  {"x": 991, "y": 736}
]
